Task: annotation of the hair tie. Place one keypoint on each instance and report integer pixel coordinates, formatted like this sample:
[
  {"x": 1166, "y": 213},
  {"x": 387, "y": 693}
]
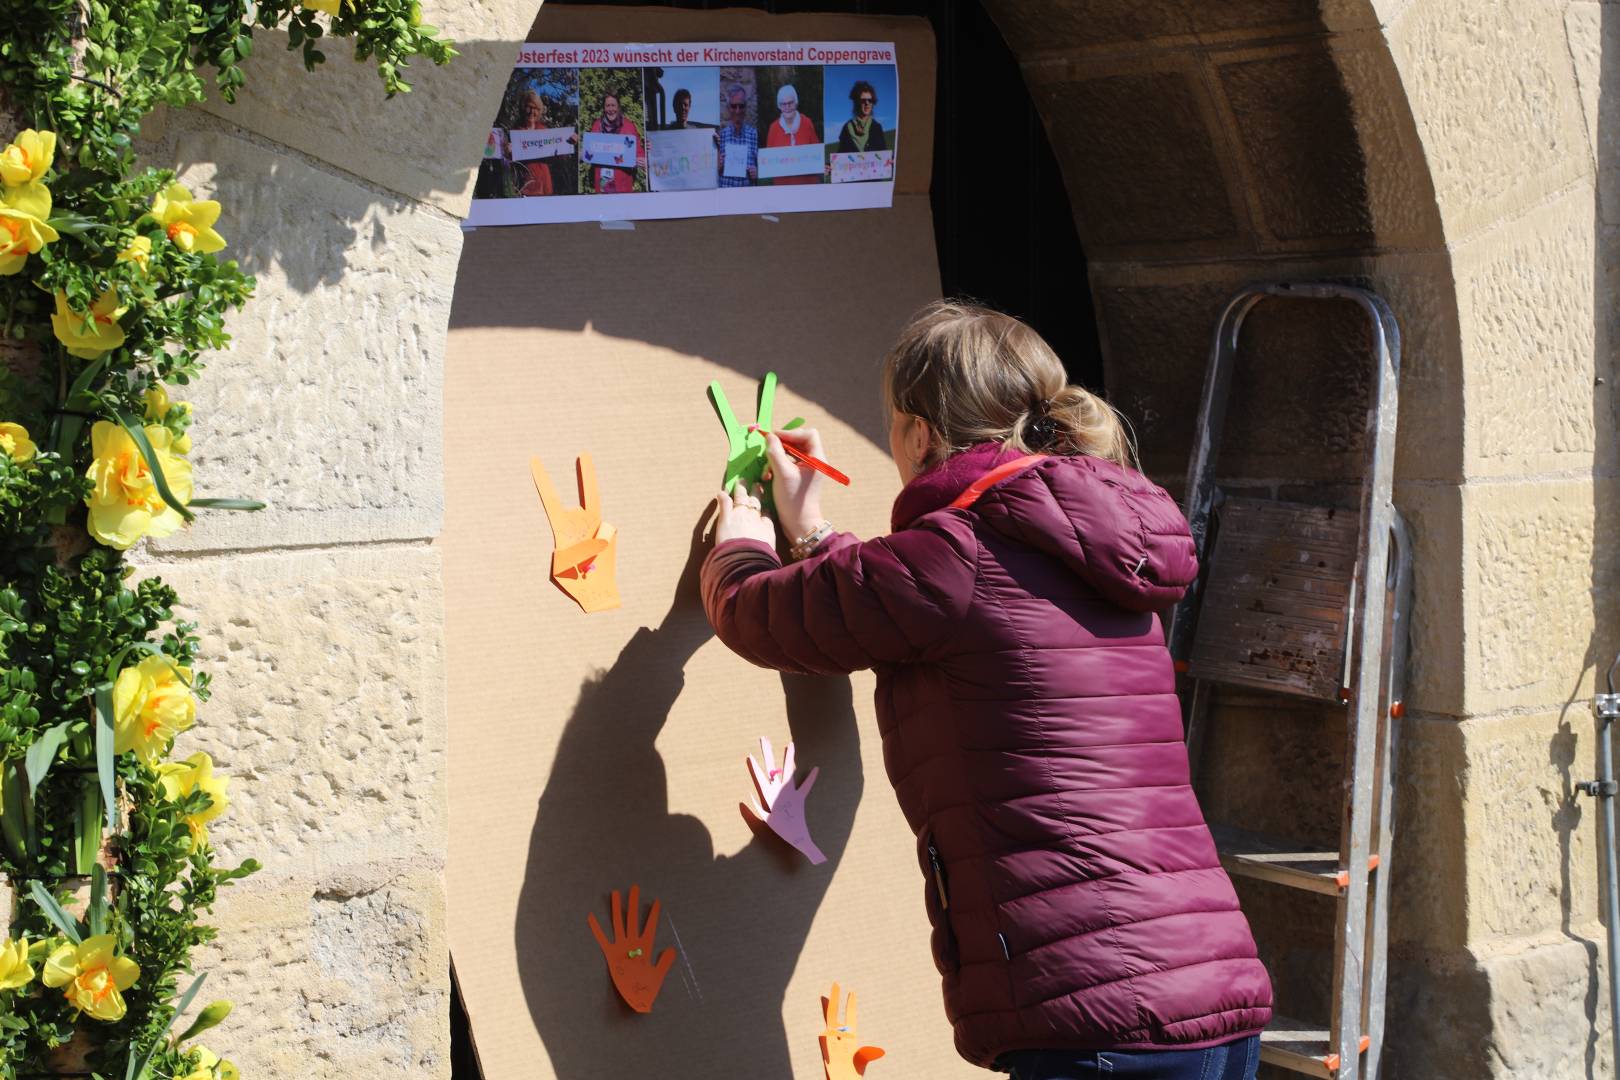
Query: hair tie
[{"x": 1042, "y": 432}]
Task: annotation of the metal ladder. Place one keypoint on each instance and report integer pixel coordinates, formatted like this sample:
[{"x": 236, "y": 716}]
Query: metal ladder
[{"x": 1283, "y": 605}]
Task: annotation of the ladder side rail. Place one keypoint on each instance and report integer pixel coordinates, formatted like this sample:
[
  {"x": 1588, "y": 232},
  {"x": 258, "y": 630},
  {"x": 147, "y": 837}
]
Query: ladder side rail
[
  {"x": 1391, "y": 709},
  {"x": 1377, "y": 513},
  {"x": 1198, "y": 498}
]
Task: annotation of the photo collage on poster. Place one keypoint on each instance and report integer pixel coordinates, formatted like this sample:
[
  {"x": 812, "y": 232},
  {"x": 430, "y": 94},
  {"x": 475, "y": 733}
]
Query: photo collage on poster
[{"x": 599, "y": 132}]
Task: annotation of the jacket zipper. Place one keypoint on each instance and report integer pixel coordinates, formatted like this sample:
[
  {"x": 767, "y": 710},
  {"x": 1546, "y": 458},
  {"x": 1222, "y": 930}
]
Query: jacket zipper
[{"x": 939, "y": 875}]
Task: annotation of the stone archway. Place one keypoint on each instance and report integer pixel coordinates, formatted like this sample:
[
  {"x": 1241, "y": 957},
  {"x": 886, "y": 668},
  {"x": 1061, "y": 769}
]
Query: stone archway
[
  {"x": 1444, "y": 156},
  {"x": 1440, "y": 157}
]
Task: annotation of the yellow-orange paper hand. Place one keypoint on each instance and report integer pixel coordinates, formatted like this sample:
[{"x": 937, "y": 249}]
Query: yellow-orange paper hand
[
  {"x": 841, "y": 1049},
  {"x": 583, "y": 563}
]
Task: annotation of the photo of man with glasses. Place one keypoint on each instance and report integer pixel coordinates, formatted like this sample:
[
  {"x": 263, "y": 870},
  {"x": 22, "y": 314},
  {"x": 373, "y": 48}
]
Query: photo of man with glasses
[{"x": 737, "y": 140}]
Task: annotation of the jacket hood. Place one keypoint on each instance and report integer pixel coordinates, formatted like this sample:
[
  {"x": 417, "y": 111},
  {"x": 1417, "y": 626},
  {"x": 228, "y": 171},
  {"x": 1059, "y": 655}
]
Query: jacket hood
[{"x": 1112, "y": 526}]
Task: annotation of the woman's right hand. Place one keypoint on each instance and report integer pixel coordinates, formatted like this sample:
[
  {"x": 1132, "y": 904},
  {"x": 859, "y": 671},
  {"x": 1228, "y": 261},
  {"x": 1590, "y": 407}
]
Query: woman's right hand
[{"x": 796, "y": 489}]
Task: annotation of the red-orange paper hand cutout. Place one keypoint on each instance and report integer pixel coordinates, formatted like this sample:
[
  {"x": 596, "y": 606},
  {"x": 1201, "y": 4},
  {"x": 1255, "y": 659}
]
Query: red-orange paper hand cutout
[
  {"x": 629, "y": 954},
  {"x": 841, "y": 1050},
  {"x": 583, "y": 562}
]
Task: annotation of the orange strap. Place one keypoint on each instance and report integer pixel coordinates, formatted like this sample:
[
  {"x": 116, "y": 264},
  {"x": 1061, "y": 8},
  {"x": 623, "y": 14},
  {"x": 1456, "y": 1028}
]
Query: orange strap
[{"x": 992, "y": 478}]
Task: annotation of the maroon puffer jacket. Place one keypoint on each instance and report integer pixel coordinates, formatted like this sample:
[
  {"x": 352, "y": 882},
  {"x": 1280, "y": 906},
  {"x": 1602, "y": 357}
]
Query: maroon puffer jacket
[{"x": 1030, "y": 727}]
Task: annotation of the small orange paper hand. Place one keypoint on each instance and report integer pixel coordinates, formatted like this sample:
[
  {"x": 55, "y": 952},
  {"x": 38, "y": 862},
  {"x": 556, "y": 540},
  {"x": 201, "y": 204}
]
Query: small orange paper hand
[
  {"x": 841, "y": 1051},
  {"x": 629, "y": 954},
  {"x": 583, "y": 562}
]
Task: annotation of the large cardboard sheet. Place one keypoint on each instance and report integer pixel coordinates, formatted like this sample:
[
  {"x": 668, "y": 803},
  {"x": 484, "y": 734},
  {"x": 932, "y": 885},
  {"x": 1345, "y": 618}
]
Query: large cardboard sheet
[{"x": 593, "y": 752}]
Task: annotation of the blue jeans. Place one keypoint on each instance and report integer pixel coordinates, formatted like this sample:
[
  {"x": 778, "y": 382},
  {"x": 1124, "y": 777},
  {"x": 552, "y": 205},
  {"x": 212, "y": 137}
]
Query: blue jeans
[{"x": 1229, "y": 1061}]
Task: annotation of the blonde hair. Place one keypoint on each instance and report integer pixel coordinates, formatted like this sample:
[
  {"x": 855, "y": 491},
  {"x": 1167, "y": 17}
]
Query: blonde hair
[{"x": 977, "y": 375}]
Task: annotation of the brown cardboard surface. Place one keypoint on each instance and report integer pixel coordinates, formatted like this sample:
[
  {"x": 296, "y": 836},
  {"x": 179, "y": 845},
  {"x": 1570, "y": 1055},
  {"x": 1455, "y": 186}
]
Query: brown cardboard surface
[
  {"x": 913, "y": 42},
  {"x": 593, "y": 752}
]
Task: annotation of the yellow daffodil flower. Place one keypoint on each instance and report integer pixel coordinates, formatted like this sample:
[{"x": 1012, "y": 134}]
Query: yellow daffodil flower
[
  {"x": 196, "y": 773},
  {"x": 158, "y": 407},
  {"x": 152, "y": 703},
  {"x": 89, "y": 337},
  {"x": 92, "y": 978},
  {"x": 15, "y": 443},
  {"x": 27, "y": 158},
  {"x": 138, "y": 251},
  {"x": 210, "y": 1066},
  {"x": 15, "y": 970},
  {"x": 186, "y": 221},
  {"x": 124, "y": 501},
  {"x": 156, "y": 400},
  {"x": 23, "y": 230}
]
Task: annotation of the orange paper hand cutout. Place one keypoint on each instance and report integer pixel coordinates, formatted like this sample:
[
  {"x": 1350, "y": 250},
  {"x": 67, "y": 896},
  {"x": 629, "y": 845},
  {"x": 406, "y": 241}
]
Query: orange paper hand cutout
[
  {"x": 841, "y": 1049},
  {"x": 629, "y": 954},
  {"x": 583, "y": 563}
]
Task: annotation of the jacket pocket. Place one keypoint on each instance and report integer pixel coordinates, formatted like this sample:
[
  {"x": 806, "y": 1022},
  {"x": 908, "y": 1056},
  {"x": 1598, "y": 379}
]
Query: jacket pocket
[{"x": 936, "y": 895}]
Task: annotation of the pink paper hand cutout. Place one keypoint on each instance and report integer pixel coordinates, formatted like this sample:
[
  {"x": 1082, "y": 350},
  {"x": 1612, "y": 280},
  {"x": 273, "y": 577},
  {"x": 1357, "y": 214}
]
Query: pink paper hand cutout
[
  {"x": 783, "y": 804},
  {"x": 629, "y": 954}
]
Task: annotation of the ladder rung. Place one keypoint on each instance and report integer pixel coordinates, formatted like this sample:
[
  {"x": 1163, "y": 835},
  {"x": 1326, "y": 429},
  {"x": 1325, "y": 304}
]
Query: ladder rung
[
  {"x": 1299, "y": 1047},
  {"x": 1283, "y": 862}
]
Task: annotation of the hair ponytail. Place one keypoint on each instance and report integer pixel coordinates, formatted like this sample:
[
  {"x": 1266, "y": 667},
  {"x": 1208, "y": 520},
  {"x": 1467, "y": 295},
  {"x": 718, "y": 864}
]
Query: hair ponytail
[{"x": 977, "y": 375}]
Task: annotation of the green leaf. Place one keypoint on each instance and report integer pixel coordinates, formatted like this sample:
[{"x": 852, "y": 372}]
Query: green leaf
[
  {"x": 226, "y": 504},
  {"x": 42, "y": 754},
  {"x": 138, "y": 1065},
  {"x": 105, "y": 738},
  {"x": 96, "y": 913},
  {"x": 53, "y": 911},
  {"x": 69, "y": 224}
]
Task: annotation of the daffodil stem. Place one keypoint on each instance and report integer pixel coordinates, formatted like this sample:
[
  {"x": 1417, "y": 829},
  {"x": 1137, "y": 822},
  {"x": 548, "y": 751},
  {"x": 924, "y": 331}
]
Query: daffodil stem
[
  {"x": 88, "y": 826},
  {"x": 11, "y": 812}
]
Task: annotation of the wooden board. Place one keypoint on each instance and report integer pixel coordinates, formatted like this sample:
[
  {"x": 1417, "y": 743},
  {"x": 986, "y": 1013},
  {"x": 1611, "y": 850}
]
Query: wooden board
[{"x": 1274, "y": 608}]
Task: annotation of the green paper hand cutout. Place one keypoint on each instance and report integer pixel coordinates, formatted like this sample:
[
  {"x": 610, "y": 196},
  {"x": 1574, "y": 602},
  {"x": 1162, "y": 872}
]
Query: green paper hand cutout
[{"x": 745, "y": 446}]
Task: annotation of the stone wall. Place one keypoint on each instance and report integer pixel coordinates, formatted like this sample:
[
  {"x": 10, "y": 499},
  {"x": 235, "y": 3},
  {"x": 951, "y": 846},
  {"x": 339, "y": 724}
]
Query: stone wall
[
  {"x": 1447, "y": 155},
  {"x": 322, "y": 617}
]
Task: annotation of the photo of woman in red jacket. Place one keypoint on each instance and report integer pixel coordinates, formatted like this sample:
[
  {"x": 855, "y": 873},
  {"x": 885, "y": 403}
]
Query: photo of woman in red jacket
[{"x": 1081, "y": 920}]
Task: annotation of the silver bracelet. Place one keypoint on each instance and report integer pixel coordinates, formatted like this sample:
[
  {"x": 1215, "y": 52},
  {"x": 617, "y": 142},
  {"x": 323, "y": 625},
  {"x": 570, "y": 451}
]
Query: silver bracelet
[{"x": 805, "y": 546}]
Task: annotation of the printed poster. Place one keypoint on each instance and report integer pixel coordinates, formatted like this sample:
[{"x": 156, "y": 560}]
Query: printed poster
[{"x": 591, "y": 132}]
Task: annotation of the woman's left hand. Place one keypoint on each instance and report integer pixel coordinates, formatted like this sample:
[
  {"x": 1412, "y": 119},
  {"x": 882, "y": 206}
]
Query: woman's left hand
[{"x": 740, "y": 517}]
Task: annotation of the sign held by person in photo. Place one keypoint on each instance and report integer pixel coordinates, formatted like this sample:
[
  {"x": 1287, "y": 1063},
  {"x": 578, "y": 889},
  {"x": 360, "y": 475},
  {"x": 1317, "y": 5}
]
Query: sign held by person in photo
[
  {"x": 692, "y": 129},
  {"x": 857, "y": 168},
  {"x": 682, "y": 160},
  {"x": 542, "y": 143},
  {"x": 792, "y": 161},
  {"x": 617, "y": 151}
]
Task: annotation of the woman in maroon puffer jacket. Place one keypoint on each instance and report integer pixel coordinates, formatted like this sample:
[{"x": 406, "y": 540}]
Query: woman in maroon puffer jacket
[{"x": 1081, "y": 919}]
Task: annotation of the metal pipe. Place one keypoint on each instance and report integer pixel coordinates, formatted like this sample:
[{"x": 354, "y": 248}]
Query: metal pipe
[{"x": 1607, "y": 707}]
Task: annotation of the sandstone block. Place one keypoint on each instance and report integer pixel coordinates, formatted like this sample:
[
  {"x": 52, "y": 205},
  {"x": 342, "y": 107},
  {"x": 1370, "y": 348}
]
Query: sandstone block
[
  {"x": 327, "y": 403},
  {"x": 1541, "y": 597},
  {"x": 1594, "y": 34},
  {"x": 334, "y": 980},
  {"x": 1131, "y": 144},
  {"x": 328, "y": 706},
  {"x": 1549, "y": 1008},
  {"x": 425, "y": 145},
  {"x": 1492, "y": 90},
  {"x": 1294, "y": 122},
  {"x": 1532, "y": 848},
  {"x": 1515, "y": 323}
]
